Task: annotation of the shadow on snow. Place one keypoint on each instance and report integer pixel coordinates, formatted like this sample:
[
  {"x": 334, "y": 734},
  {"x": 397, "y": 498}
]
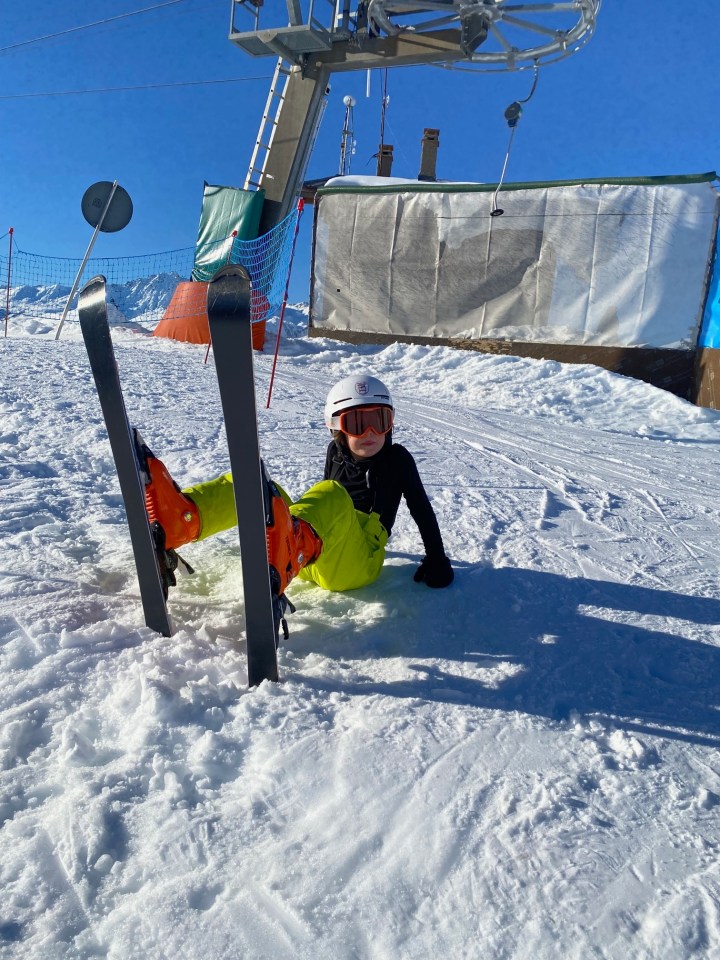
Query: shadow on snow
[{"x": 642, "y": 658}]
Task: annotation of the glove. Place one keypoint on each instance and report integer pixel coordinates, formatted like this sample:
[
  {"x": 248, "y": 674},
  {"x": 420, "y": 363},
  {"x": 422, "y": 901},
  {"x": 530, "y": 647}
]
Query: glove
[{"x": 435, "y": 572}]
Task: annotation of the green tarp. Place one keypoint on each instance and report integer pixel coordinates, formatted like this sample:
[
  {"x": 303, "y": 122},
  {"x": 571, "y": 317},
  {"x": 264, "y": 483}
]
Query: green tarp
[{"x": 224, "y": 210}]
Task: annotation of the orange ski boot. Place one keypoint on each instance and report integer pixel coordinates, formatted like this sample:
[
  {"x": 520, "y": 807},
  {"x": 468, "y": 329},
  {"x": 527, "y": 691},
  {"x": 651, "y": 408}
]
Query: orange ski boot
[
  {"x": 174, "y": 518},
  {"x": 291, "y": 545}
]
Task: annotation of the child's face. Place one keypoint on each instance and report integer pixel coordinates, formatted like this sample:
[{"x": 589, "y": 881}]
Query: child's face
[{"x": 366, "y": 446}]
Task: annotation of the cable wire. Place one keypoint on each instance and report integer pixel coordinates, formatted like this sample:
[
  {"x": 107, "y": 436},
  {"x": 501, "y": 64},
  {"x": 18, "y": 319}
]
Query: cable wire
[
  {"x": 146, "y": 86},
  {"x": 87, "y": 26}
]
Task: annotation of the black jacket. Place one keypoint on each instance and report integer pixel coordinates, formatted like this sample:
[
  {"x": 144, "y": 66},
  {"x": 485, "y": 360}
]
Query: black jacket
[{"x": 378, "y": 483}]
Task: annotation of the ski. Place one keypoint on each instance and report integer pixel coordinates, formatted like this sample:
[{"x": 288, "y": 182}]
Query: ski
[
  {"x": 231, "y": 334},
  {"x": 155, "y": 566}
]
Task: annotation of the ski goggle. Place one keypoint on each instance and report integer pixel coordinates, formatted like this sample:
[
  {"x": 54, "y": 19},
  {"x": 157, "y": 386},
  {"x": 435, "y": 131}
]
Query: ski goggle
[{"x": 357, "y": 421}]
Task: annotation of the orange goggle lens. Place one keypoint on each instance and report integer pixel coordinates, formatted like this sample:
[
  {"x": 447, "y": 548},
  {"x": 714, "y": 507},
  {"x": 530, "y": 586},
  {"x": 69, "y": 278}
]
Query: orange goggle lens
[{"x": 358, "y": 420}]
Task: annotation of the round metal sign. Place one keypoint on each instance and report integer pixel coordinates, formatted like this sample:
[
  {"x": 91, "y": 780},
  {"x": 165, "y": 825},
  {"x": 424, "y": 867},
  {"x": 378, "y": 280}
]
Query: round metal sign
[{"x": 118, "y": 213}]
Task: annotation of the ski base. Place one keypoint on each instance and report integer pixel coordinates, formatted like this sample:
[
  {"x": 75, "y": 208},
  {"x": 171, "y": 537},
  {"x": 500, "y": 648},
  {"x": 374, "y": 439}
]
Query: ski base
[
  {"x": 231, "y": 334},
  {"x": 151, "y": 561}
]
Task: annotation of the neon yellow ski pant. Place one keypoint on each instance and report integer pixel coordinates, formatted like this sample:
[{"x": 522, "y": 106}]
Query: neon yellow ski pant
[{"x": 353, "y": 542}]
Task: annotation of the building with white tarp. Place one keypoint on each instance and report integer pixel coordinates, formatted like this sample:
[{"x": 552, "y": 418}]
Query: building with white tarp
[{"x": 615, "y": 273}]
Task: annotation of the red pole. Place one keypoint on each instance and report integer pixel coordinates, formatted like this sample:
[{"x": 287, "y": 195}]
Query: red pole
[
  {"x": 300, "y": 207},
  {"x": 233, "y": 235},
  {"x": 7, "y": 295}
]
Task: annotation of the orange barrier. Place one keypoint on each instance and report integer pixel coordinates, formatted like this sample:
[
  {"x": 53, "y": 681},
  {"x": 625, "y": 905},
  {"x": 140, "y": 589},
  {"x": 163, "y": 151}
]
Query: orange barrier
[{"x": 186, "y": 319}]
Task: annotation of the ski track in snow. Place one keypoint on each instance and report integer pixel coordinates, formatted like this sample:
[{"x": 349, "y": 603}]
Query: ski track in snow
[{"x": 523, "y": 766}]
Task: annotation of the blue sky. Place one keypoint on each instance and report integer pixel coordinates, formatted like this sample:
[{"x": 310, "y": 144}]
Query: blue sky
[{"x": 640, "y": 99}]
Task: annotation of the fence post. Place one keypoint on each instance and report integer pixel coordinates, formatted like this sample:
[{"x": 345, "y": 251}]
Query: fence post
[
  {"x": 7, "y": 293},
  {"x": 300, "y": 207}
]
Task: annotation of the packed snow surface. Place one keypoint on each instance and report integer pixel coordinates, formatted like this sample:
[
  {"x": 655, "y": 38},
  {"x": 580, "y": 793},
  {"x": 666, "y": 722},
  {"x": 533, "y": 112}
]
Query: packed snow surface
[{"x": 522, "y": 766}]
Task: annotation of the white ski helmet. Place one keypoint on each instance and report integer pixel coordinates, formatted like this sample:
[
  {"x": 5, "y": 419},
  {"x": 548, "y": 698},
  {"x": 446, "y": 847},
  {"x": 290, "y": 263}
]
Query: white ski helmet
[{"x": 358, "y": 390}]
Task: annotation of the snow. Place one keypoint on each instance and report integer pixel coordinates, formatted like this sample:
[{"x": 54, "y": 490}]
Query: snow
[
  {"x": 523, "y": 766},
  {"x": 358, "y": 180}
]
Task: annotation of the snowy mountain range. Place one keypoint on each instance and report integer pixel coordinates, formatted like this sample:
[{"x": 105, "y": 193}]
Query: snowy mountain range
[{"x": 142, "y": 300}]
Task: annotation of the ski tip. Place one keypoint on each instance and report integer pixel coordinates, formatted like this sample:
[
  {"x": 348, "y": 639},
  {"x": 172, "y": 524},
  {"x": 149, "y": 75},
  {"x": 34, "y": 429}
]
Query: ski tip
[
  {"x": 98, "y": 281},
  {"x": 231, "y": 270},
  {"x": 229, "y": 293},
  {"x": 93, "y": 290}
]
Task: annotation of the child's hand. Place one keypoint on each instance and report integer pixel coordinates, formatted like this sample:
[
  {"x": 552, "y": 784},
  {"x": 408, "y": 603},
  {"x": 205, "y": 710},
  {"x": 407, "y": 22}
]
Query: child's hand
[{"x": 435, "y": 572}]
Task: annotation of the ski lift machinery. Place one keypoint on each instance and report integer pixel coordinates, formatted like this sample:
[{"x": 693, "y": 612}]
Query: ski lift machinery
[{"x": 320, "y": 37}]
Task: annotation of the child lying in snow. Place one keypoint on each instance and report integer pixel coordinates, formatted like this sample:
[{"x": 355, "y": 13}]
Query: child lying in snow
[{"x": 335, "y": 534}]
